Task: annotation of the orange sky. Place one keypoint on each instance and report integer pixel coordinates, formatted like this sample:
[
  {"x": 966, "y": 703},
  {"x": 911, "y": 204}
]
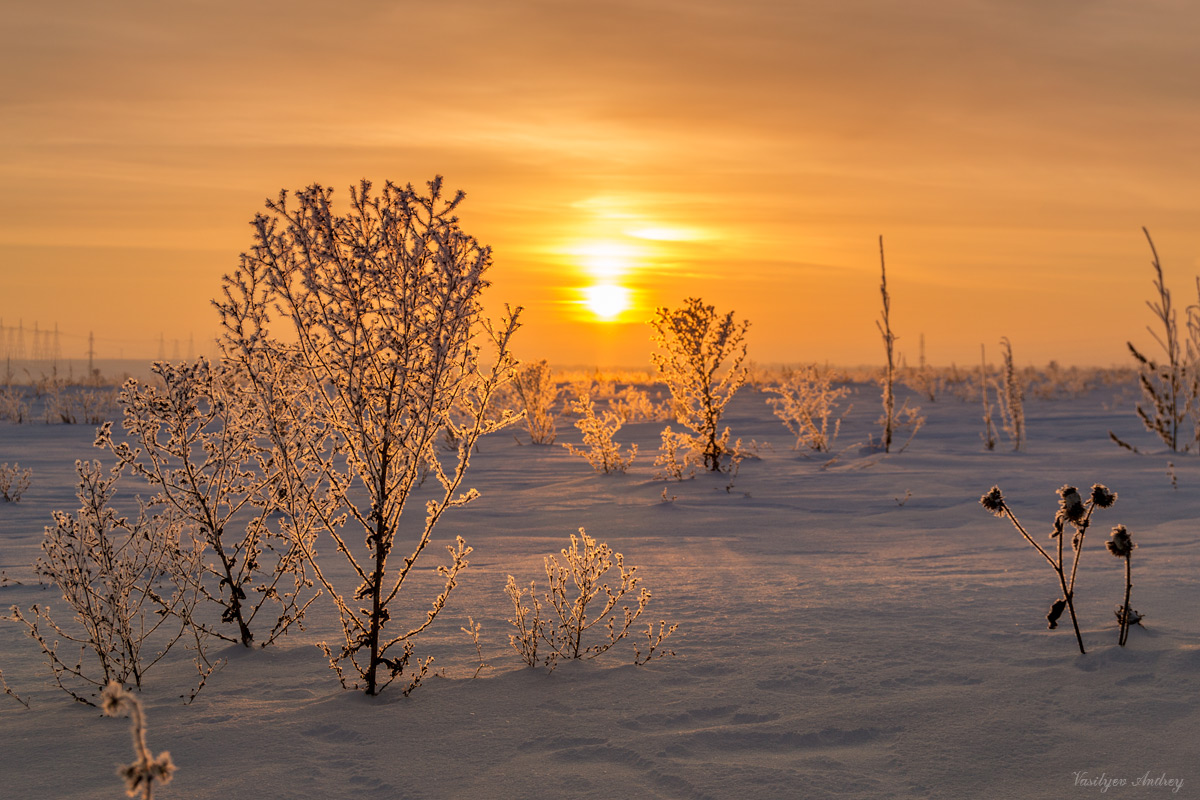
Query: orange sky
[{"x": 749, "y": 153}]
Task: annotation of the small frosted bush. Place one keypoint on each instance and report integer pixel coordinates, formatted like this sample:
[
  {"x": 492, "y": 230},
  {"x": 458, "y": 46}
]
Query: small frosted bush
[
  {"x": 601, "y": 451},
  {"x": 581, "y": 614},
  {"x": 632, "y": 404},
  {"x": 13, "y": 482},
  {"x": 535, "y": 385},
  {"x": 702, "y": 360},
  {"x": 678, "y": 456},
  {"x": 113, "y": 574},
  {"x": 12, "y": 405},
  {"x": 805, "y": 403}
]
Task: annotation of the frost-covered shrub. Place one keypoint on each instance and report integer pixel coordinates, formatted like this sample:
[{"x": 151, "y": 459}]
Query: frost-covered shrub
[
  {"x": 197, "y": 440},
  {"x": 12, "y": 404},
  {"x": 805, "y": 403},
  {"x": 632, "y": 404},
  {"x": 601, "y": 451},
  {"x": 577, "y": 600},
  {"x": 534, "y": 384},
  {"x": 677, "y": 457},
  {"x": 702, "y": 360},
  {"x": 13, "y": 482},
  {"x": 379, "y": 320},
  {"x": 146, "y": 769},
  {"x": 1073, "y": 510},
  {"x": 114, "y": 575},
  {"x": 72, "y": 405}
]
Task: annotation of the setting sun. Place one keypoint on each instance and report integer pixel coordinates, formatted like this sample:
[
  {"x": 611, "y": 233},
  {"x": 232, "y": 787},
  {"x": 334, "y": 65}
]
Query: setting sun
[{"x": 606, "y": 301}]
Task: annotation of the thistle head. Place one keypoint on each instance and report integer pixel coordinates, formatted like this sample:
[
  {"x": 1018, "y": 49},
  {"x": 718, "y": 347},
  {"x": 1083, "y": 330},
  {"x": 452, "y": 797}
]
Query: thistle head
[
  {"x": 1071, "y": 505},
  {"x": 993, "y": 501},
  {"x": 112, "y": 698},
  {"x": 1120, "y": 545},
  {"x": 1102, "y": 497}
]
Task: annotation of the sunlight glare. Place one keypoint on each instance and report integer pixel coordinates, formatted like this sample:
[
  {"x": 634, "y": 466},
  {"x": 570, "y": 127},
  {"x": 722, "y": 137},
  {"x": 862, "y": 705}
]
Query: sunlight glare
[{"x": 606, "y": 301}]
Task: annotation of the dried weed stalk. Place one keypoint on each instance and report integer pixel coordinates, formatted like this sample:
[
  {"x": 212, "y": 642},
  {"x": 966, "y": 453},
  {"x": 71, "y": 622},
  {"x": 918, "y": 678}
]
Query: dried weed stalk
[
  {"x": 1074, "y": 510},
  {"x": 1012, "y": 398},
  {"x": 907, "y": 417},
  {"x": 1121, "y": 545},
  {"x": 1166, "y": 389},
  {"x": 146, "y": 769}
]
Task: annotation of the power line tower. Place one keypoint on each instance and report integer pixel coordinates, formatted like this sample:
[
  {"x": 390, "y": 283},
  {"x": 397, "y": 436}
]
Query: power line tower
[{"x": 91, "y": 353}]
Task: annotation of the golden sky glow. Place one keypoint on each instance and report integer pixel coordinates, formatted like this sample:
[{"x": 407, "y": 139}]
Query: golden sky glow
[{"x": 624, "y": 155}]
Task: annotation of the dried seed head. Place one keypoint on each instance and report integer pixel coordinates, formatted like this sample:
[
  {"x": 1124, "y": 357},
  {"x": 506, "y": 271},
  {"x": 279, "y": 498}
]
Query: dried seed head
[
  {"x": 1055, "y": 612},
  {"x": 1102, "y": 497},
  {"x": 1071, "y": 504},
  {"x": 1120, "y": 545},
  {"x": 993, "y": 501},
  {"x": 1058, "y": 526},
  {"x": 112, "y": 698}
]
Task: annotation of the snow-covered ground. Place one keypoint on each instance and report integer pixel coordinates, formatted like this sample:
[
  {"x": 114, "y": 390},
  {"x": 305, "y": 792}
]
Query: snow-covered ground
[{"x": 855, "y": 629}]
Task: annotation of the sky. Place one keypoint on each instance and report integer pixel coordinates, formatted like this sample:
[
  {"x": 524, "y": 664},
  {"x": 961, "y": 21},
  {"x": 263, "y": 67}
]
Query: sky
[{"x": 622, "y": 156}]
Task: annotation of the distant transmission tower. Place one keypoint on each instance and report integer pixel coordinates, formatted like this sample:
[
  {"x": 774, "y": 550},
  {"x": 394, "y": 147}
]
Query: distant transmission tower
[{"x": 91, "y": 353}]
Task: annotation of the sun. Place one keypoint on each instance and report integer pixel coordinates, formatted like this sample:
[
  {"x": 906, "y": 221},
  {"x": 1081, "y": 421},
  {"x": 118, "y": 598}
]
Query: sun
[{"x": 606, "y": 300}]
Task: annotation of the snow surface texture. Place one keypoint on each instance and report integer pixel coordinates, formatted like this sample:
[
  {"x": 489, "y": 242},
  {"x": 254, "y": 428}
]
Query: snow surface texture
[{"x": 836, "y": 639}]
